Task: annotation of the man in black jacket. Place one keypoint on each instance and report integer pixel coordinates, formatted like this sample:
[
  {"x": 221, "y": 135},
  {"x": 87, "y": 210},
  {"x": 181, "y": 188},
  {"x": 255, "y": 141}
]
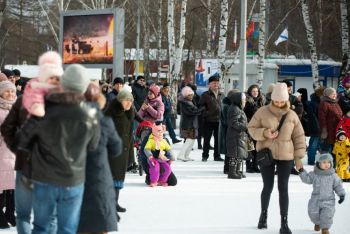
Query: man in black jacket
[
  {"x": 139, "y": 91},
  {"x": 211, "y": 100},
  {"x": 58, "y": 143}
]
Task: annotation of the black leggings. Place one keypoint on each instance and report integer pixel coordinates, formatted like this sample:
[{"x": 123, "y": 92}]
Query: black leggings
[{"x": 268, "y": 174}]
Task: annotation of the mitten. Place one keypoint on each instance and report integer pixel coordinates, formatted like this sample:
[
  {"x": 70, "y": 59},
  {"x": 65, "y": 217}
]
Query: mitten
[
  {"x": 301, "y": 170},
  {"x": 324, "y": 133},
  {"x": 341, "y": 199}
]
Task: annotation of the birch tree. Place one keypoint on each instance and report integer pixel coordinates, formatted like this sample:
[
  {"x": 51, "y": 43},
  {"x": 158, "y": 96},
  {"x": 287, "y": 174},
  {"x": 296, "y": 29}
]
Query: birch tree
[
  {"x": 171, "y": 38},
  {"x": 222, "y": 40},
  {"x": 344, "y": 30},
  {"x": 311, "y": 43},
  {"x": 182, "y": 35},
  {"x": 2, "y": 10},
  {"x": 146, "y": 43},
  {"x": 209, "y": 28},
  {"x": 159, "y": 36},
  {"x": 261, "y": 60}
]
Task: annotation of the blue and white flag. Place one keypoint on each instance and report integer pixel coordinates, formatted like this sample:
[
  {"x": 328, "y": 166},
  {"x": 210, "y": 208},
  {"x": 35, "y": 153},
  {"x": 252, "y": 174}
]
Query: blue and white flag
[{"x": 283, "y": 37}]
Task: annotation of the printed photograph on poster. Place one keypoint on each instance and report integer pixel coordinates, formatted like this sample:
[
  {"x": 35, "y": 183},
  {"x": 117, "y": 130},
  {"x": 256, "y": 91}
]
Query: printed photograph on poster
[{"x": 88, "y": 39}]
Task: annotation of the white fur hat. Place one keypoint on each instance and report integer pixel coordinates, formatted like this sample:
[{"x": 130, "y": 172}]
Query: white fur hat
[
  {"x": 186, "y": 91},
  {"x": 50, "y": 64},
  {"x": 280, "y": 92}
]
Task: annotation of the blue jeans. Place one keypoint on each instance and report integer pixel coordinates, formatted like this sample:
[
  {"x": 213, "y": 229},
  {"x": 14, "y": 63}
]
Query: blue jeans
[
  {"x": 314, "y": 145},
  {"x": 23, "y": 204},
  {"x": 48, "y": 198}
]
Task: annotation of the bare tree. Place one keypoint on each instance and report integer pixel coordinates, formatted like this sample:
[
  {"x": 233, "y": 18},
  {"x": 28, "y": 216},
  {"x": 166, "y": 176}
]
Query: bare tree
[
  {"x": 171, "y": 38},
  {"x": 311, "y": 43},
  {"x": 344, "y": 29},
  {"x": 159, "y": 36},
  {"x": 222, "y": 40},
  {"x": 2, "y": 10},
  {"x": 209, "y": 32},
  {"x": 146, "y": 43},
  {"x": 182, "y": 34},
  {"x": 261, "y": 55}
]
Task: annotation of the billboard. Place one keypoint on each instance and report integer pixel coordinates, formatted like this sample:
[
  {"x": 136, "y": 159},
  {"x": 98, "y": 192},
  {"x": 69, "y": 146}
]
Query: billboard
[{"x": 93, "y": 38}]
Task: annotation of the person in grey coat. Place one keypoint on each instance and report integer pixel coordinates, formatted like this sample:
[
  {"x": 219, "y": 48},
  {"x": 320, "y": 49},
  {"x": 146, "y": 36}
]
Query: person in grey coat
[
  {"x": 325, "y": 181},
  {"x": 236, "y": 136}
]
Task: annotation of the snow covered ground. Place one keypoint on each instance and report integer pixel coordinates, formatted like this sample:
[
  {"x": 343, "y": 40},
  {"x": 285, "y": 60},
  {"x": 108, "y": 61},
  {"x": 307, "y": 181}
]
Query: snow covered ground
[{"x": 206, "y": 202}]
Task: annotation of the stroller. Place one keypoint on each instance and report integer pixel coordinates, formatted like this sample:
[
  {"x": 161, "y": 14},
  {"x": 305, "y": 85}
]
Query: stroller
[{"x": 144, "y": 129}]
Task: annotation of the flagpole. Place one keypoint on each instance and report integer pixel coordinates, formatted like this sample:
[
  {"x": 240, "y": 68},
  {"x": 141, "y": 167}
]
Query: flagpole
[{"x": 243, "y": 45}]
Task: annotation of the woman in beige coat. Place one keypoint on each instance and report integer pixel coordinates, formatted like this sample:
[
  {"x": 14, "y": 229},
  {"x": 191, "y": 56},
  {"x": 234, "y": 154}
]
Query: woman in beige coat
[{"x": 287, "y": 145}]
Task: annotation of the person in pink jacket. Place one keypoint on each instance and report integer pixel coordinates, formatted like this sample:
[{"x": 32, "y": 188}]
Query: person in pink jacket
[
  {"x": 7, "y": 160},
  {"x": 153, "y": 108},
  {"x": 50, "y": 71}
]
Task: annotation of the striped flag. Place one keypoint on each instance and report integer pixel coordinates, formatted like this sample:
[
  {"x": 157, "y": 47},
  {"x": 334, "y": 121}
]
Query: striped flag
[{"x": 283, "y": 37}]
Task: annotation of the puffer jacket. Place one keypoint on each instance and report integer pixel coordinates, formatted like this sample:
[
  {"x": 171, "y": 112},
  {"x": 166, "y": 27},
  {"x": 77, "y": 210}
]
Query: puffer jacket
[
  {"x": 290, "y": 143},
  {"x": 155, "y": 110}
]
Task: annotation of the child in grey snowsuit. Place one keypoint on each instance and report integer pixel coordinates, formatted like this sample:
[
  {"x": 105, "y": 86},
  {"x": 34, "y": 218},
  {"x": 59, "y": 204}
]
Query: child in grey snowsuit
[{"x": 325, "y": 181}]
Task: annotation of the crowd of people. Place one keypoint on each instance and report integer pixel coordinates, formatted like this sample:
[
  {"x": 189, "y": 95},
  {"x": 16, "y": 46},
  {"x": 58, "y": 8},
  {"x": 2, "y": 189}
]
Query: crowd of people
[{"x": 67, "y": 143}]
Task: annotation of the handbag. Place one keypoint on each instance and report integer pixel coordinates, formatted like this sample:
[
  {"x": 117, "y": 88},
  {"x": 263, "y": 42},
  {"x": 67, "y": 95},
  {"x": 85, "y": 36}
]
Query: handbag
[
  {"x": 264, "y": 156},
  {"x": 250, "y": 144}
]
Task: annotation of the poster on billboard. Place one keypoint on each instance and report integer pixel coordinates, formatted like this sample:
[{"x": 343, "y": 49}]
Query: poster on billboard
[{"x": 93, "y": 38}]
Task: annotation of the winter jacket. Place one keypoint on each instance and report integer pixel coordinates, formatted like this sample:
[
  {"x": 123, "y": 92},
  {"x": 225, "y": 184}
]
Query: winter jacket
[
  {"x": 140, "y": 94},
  {"x": 7, "y": 158},
  {"x": 167, "y": 106},
  {"x": 329, "y": 114},
  {"x": 325, "y": 183},
  {"x": 223, "y": 124},
  {"x": 344, "y": 103},
  {"x": 341, "y": 150},
  {"x": 150, "y": 148},
  {"x": 253, "y": 104},
  {"x": 236, "y": 136},
  {"x": 110, "y": 96},
  {"x": 189, "y": 118},
  {"x": 290, "y": 143},
  {"x": 312, "y": 125},
  {"x": 344, "y": 123},
  {"x": 98, "y": 210},
  {"x": 155, "y": 110},
  {"x": 12, "y": 123},
  {"x": 59, "y": 141},
  {"x": 123, "y": 122},
  {"x": 212, "y": 106}
]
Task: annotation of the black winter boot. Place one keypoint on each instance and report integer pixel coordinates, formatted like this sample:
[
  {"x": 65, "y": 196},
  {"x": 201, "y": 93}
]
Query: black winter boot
[
  {"x": 232, "y": 172},
  {"x": 284, "y": 225},
  {"x": 263, "y": 220},
  {"x": 119, "y": 208},
  {"x": 3, "y": 221},
  {"x": 239, "y": 171},
  {"x": 10, "y": 207}
]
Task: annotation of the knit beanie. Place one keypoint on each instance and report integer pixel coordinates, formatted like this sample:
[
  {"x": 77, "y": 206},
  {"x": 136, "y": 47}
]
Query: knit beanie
[
  {"x": 328, "y": 91},
  {"x": 125, "y": 95},
  {"x": 75, "y": 78},
  {"x": 3, "y": 77},
  {"x": 186, "y": 91},
  {"x": 127, "y": 88},
  {"x": 346, "y": 79},
  {"x": 280, "y": 92},
  {"x": 155, "y": 90},
  {"x": 50, "y": 64},
  {"x": 339, "y": 133},
  {"x": 4, "y": 85}
]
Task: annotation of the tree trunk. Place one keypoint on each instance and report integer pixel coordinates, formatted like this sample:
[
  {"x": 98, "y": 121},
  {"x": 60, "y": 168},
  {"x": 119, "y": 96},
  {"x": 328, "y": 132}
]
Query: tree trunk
[
  {"x": 222, "y": 41},
  {"x": 209, "y": 52},
  {"x": 2, "y": 10},
  {"x": 146, "y": 43},
  {"x": 171, "y": 39},
  {"x": 311, "y": 43},
  {"x": 179, "y": 49},
  {"x": 159, "y": 35},
  {"x": 344, "y": 30},
  {"x": 260, "y": 76}
]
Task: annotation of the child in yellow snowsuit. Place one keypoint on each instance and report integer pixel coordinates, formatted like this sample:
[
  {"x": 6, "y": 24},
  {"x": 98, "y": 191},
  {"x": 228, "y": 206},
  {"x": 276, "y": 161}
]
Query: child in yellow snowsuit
[{"x": 341, "y": 151}]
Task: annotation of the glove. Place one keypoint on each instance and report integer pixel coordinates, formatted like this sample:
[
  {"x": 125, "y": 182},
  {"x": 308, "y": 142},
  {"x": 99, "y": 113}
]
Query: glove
[
  {"x": 341, "y": 199},
  {"x": 301, "y": 170},
  {"x": 324, "y": 133}
]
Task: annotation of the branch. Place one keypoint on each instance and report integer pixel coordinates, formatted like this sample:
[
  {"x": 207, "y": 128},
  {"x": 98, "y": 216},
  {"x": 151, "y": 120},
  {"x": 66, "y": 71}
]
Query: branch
[
  {"x": 67, "y": 5},
  {"x": 277, "y": 27},
  {"x": 49, "y": 21},
  {"x": 206, "y": 6}
]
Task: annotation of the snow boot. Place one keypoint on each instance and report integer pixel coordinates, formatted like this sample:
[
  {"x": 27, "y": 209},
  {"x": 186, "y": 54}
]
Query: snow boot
[
  {"x": 325, "y": 231},
  {"x": 284, "y": 225},
  {"x": 232, "y": 172},
  {"x": 263, "y": 220},
  {"x": 317, "y": 227},
  {"x": 10, "y": 207},
  {"x": 239, "y": 171}
]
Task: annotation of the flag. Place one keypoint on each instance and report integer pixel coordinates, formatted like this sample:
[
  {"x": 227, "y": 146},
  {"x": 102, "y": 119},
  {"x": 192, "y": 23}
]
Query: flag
[
  {"x": 283, "y": 37},
  {"x": 250, "y": 29}
]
